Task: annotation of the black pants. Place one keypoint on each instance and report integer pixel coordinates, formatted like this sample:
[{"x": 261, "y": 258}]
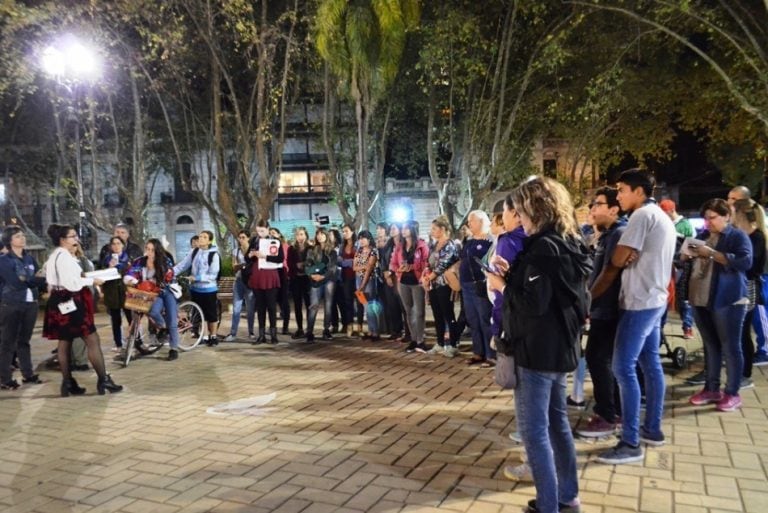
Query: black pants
[
  {"x": 337, "y": 312},
  {"x": 283, "y": 296},
  {"x": 393, "y": 310},
  {"x": 349, "y": 306},
  {"x": 117, "y": 324},
  {"x": 266, "y": 303},
  {"x": 17, "y": 321},
  {"x": 747, "y": 346},
  {"x": 442, "y": 309},
  {"x": 300, "y": 294},
  {"x": 599, "y": 355}
]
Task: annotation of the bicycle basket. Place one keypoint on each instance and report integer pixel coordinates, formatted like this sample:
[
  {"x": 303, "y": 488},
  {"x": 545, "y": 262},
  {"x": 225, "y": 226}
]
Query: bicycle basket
[{"x": 139, "y": 300}]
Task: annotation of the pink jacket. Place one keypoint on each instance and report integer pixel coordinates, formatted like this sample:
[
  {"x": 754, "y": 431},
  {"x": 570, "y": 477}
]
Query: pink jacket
[{"x": 420, "y": 259}]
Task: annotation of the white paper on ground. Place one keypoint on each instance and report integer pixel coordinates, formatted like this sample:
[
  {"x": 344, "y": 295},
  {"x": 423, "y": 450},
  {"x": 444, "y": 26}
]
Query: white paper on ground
[{"x": 248, "y": 406}]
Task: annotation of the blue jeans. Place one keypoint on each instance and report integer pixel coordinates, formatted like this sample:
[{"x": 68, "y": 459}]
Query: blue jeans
[
  {"x": 542, "y": 418},
  {"x": 164, "y": 313},
  {"x": 579, "y": 375},
  {"x": 373, "y": 308},
  {"x": 720, "y": 330},
  {"x": 241, "y": 292},
  {"x": 686, "y": 314},
  {"x": 322, "y": 293},
  {"x": 477, "y": 309},
  {"x": 760, "y": 323},
  {"x": 637, "y": 341}
]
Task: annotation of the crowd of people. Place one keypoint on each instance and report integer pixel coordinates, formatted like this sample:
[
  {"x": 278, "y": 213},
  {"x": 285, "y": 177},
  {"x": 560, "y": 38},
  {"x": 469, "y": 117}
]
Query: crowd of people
[{"x": 528, "y": 282}]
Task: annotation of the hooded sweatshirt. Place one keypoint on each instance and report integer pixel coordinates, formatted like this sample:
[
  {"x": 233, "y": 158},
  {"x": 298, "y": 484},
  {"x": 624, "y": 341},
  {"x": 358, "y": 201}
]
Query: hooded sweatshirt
[{"x": 544, "y": 298}]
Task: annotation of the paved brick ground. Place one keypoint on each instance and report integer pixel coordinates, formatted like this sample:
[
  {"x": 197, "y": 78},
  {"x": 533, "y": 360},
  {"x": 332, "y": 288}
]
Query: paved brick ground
[{"x": 354, "y": 427}]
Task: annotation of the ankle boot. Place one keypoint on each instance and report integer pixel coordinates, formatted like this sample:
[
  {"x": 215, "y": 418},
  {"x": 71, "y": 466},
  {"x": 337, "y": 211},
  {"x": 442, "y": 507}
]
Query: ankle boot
[
  {"x": 262, "y": 339},
  {"x": 106, "y": 383},
  {"x": 70, "y": 387},
  {"x": 273, "y": 336}
]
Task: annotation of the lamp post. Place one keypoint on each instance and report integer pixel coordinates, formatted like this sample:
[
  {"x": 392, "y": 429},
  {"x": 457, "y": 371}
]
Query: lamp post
[{"x": 70, "y": 63}]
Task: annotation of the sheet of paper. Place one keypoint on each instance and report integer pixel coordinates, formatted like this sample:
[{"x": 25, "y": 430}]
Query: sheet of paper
[
  {"x": 269, "y": 247},
  {"x": 688, "y": 243},
  {"x": 104, "y": 274}
]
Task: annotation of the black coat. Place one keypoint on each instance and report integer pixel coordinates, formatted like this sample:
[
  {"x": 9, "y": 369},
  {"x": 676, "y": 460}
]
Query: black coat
[{"x": 546, "y": 302}]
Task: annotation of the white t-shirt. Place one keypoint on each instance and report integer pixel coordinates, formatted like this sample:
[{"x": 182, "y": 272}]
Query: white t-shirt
[{"x": 644, "y": 282}]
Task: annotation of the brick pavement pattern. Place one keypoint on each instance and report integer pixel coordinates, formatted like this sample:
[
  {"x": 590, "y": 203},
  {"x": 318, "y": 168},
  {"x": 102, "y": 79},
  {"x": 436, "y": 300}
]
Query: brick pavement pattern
[{"x": 354, "y": 427}]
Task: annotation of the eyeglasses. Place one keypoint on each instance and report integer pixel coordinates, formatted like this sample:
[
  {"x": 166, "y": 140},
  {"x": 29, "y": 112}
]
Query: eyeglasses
[{"x": 597, "y": 203}]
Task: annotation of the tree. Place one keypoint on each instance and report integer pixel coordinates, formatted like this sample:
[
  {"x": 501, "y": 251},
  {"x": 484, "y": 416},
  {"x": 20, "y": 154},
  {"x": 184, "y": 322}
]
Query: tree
[{"x": 362, "y": 42}]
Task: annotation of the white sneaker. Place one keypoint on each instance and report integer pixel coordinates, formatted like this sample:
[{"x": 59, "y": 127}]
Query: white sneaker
[
  {"x": 230, "y": 338},
  {"x": 520, "y": 472},
  {"x": 515, "y": 437},
  {"x": 450, "y": 351},
  {"x": 436, "y": 349}
]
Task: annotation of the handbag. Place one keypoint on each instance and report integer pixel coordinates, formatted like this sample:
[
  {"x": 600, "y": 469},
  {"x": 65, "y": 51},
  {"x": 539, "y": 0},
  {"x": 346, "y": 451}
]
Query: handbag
[
  {"x": 451, "y": 276},
  {"x": 505, "y": 372},
  {"x": 67, "y": 307}
]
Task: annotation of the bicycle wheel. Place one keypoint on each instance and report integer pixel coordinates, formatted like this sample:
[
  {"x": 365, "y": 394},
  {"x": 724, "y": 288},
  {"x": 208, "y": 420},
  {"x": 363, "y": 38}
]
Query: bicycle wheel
[
  {"x": 191, "y": 325},
  {"x": 134, "y": 330}
]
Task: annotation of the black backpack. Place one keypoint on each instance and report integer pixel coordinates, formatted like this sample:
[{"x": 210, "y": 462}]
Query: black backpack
[{"x": 210, "y": 260}]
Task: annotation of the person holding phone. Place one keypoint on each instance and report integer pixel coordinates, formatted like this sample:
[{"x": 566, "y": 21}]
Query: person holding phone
[
  {"x": 265, "y": 282},
  {"x": 241, "y": 293},
  {"x": 113, "y": 291}
]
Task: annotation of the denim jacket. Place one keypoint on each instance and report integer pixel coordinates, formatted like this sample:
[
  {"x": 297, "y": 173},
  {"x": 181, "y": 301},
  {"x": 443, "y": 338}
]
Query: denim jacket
[
  {"x": 729, "y": 282},
  {"x": 18, "y": 276}
]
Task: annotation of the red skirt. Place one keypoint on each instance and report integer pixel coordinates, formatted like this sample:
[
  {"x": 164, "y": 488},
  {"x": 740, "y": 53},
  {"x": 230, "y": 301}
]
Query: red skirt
[
  {"x": 77, "y": 324},
  {"x": 264, "y": 279}
]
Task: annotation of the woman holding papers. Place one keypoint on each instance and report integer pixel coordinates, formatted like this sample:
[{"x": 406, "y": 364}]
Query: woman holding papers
[
  {"x": 266, "y": 257},
  {"x": 154, "y": 272},
  {"x": 69, "y": 313},
  {"x": 718, "y": 293},
  {"x": 114, "y": 290}
]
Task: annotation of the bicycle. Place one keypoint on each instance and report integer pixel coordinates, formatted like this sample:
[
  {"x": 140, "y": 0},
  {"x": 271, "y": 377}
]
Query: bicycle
[{"x": 189, "y": 324}]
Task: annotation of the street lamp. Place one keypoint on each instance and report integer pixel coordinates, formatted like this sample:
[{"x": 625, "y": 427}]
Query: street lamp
[{"x": 70, "y": 62}]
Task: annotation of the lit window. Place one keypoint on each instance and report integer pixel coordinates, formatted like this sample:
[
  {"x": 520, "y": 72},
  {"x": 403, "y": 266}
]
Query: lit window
[
  {"x": 293, "y": 182},
  {"x": 320, "y": 181}
]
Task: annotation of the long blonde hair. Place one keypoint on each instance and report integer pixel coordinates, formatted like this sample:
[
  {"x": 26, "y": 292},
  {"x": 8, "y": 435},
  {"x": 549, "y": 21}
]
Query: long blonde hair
[
  {"x": 752, "y": 213},
  {"x": 547, "y": 204}
]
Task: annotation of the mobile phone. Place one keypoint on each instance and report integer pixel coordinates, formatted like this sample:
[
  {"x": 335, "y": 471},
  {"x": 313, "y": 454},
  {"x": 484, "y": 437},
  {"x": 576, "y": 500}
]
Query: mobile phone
[{"x": 484, "y": 266}]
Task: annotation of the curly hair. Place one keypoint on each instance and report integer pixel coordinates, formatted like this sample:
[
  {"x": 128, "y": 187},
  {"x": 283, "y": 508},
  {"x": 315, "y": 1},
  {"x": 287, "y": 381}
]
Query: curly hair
[{"x": 547, "y": 204}]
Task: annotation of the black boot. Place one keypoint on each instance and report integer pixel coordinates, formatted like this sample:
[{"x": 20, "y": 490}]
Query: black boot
[
  {"x": 70, "y": 387},
  {"x": 106, "y": 383},
  {"x": 273, "y": 336},
  {"x": 262, "y": 339}
]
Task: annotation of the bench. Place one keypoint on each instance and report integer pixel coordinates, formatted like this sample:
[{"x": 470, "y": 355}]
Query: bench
[{"x": 226, "y": 286}]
